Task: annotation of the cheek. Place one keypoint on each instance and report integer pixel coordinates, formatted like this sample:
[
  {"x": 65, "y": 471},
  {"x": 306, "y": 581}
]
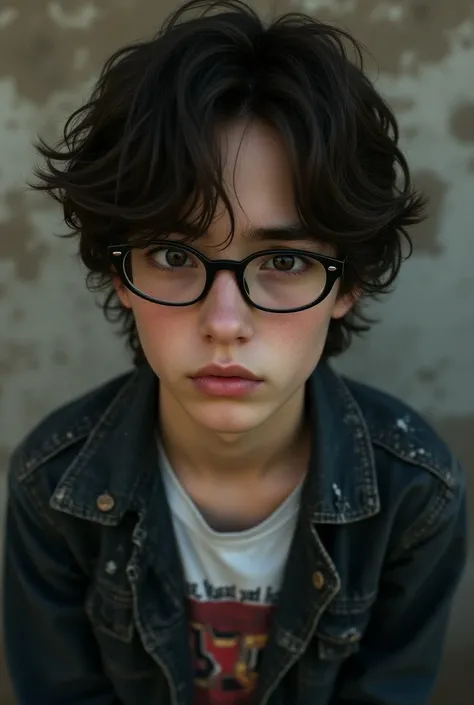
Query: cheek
[
  {"x": 162, "y": 329},
  {"x": 301, "y": 335}
]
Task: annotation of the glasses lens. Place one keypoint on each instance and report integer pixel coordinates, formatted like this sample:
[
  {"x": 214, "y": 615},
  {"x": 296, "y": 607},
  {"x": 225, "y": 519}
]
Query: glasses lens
[
  {"x": 285, "y": 281},
  {"x": 166, "y": 273}
]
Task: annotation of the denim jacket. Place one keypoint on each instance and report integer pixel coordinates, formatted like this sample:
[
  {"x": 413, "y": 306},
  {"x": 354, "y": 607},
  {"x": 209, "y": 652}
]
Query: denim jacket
[{"x": 94, "y": 588}]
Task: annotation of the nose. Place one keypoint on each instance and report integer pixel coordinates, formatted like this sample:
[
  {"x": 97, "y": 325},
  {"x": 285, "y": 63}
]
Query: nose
[{"x": 224, "y": 316}]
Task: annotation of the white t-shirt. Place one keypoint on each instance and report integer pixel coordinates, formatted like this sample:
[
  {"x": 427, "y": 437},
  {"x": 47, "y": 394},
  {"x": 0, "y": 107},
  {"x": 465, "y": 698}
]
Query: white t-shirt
[{"x": 232, "y": 581}]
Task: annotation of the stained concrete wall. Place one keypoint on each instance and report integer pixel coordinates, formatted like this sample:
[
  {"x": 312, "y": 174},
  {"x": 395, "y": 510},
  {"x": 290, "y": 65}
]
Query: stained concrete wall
[{"x": 53, "y": 342}]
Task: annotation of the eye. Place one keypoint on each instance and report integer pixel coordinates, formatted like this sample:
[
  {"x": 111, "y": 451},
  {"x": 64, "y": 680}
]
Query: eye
[
  {"x": 170, "y": 257},
  {"x": 286, "y": 264}
]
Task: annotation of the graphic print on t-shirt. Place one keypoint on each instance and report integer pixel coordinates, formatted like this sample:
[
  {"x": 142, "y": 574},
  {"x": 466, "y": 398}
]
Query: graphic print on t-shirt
[
  {"x": 227, "y": 638},
  {"x": 232, "y": 585}
]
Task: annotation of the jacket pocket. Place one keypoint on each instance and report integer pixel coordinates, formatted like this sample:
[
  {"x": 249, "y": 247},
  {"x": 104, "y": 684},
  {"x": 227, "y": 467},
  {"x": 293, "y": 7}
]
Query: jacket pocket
[
  {"x": 111, "y": 613},
  {"x": 337, "y": 641},
  {"x": 337, "y": 638},
  {"x": 112, "y": 619}
]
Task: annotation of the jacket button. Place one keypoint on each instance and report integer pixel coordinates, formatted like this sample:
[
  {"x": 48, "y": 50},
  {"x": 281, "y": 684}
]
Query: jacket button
[
  {"x": 105, "y": 502},
  {"x": 318, "y": 580}
]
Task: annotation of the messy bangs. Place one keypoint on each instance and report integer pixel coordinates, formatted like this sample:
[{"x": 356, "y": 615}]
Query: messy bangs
[{"x": 141, "y": 159}]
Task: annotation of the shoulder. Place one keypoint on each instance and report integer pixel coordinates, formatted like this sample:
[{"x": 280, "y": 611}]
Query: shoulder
[
  {"x": 421, "y": 483},
  {"x": 403, "y": 434},
  {"x": 61, "y": 434}
]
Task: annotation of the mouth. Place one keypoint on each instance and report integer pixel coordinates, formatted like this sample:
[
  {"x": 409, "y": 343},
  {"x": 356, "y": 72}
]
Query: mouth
[
  {"x": 227, "y": 372},
  {"x": 229, "y": 381}
]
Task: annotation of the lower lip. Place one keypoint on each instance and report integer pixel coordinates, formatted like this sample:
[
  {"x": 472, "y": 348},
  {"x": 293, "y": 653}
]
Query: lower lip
[{"x": 226, "y": 386}]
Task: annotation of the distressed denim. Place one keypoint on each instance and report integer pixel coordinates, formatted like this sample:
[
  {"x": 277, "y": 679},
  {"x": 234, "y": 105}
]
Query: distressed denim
[{"x": 93, "y": 584}]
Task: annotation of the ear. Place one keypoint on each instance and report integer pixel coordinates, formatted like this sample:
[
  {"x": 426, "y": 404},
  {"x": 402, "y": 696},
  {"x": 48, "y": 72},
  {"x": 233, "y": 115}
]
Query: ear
[
  {"x": 121, "y": 291},
  {"x": 344, "y": 303}
]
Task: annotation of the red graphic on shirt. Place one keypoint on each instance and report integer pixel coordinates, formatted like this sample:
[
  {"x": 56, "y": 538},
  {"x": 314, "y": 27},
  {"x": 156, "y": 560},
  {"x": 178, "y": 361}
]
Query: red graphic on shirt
[{"x": 227, "y": 642}]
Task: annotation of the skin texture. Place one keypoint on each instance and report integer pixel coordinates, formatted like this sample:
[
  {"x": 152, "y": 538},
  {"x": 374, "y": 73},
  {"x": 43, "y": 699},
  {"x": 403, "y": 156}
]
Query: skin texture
[{"x": 224, "y": 443}]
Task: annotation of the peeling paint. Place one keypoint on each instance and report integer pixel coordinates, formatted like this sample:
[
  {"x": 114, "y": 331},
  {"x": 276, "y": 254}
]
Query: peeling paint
[
  {"x": 8, "y": 16},
  {"x": 340, "y": 8},
  {"x": 389, "y": 29},
  {"x": 81, "y": 58},
  {"x": 393, "y": 12},
  {"x": 16, "y": 356},
  {"x": 426, "y": 235},
  {"x": 462, "y": 122},
  {"x": 82, "y": 17},
  {"x": 41, "y": 51},
  {"x": 17, "y": 239}
]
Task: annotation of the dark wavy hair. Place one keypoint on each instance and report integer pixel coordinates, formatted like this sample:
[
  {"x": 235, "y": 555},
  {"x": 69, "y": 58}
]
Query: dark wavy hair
[{"x": 140, "y": 158}]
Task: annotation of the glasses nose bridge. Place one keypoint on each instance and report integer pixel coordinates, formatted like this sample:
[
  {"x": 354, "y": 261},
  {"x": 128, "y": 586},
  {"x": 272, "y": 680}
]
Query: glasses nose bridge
[
  {"x": 236, "y": 267},
  {"x": 227, "y": 265}
]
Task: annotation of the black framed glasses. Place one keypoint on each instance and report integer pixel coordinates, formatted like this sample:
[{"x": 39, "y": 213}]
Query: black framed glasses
[{"x": 280, "y": 280}]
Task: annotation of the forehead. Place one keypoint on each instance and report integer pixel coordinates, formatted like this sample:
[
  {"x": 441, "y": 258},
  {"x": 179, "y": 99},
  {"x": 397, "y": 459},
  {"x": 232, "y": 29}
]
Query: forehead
[{"x": 257, "y": 178}]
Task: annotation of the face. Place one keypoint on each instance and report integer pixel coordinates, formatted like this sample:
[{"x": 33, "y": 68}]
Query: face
[{"x": 281, "y": 350}]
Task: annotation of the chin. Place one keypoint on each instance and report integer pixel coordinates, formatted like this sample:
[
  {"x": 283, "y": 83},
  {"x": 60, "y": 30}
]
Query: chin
[{"x": 226, "y": 418}]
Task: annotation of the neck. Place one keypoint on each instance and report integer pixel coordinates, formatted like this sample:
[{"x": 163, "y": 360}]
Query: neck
[{"x": 281, "y": 441}]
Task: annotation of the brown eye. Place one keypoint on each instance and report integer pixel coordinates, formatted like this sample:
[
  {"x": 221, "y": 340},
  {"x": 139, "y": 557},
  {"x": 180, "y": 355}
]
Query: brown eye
[
  {"x": 169, "y": 258},
  {"x": 286, "y": 264},
  {"x": 175, "y": 258},
  {"x": 283, "y": 263}
]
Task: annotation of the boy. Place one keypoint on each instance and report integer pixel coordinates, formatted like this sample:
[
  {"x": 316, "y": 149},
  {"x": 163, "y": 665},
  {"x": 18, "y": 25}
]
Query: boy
[{"x": 233, "y": 522}]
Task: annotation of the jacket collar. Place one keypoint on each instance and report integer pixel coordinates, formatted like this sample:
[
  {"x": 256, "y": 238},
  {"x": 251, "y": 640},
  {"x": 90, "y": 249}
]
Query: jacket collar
[
  {"x": 342, "y": 480},
  {"x": 119, "y": 458}
]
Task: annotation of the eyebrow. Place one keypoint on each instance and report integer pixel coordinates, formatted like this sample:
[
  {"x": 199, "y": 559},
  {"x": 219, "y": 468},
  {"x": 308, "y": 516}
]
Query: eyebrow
[{"x": 296, "y": 232}]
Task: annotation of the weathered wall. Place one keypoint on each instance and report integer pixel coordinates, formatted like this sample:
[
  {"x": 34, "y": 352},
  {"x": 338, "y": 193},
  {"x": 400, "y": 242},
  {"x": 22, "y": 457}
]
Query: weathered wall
[{"x": 54, "y": 343}]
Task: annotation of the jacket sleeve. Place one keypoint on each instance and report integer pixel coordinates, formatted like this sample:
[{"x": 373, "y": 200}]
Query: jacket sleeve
[
  {"x": 401, "y": 652},
  {"x": 51, "y": 654}
]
